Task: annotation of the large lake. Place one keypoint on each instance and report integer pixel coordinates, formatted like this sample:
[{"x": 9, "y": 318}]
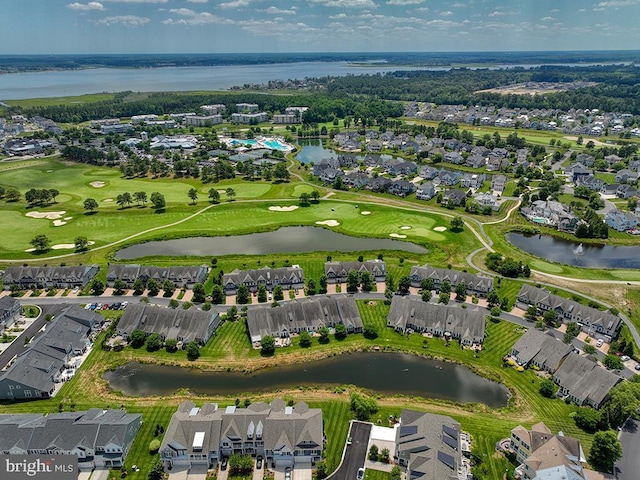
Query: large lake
[
  {"x": 283, "y": 240},
  {"x": 313, "y": 151},
  {"x": 574, "y": 253},
  {"x": 56, "y": 83},
  {"x": 386, "y": 373}
]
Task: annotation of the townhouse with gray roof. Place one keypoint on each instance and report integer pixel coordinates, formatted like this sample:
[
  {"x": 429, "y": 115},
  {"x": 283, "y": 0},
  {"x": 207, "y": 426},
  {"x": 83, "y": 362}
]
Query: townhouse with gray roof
[
  {"x": 306, "y": 314},
  {"x": 181, "y": 276},
  {"x": 49, "y": 357},
  {"x": 26, "y": 277},
  {"x": 431, "y": 446},
  {"x": 183, "y": 325},
  {"x": 596, "y": 323},
  {"x": 10, "y": 310},
  {"x": 284, "y": 435},
  {"x": 621, "y": 221},
  {"x": 540, "y": 349},
  {"x": 337, "y": 272},
  {"x": 452, "y": 322},
  {"x": 584, "y": 381},
  {"x": 287, "y": 277},
  {"x": 99, "y": 438},
  {"x": 475, "y": 284}
]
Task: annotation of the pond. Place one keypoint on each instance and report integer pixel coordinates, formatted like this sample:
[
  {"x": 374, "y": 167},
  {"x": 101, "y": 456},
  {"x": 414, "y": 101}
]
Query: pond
[
  {"x": 575, "y": 253},
  {"x": 313, "y": 151},
  {"x": 283, "y": 240},
  {"x": 385, "y": 373}
]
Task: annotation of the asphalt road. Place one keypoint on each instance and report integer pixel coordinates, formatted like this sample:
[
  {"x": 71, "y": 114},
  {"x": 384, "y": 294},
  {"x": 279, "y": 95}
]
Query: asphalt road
[
  {"x": 355, "y": 453},
  {"x": 628, "y": 466},
  {"x": 17, "y": 346}
]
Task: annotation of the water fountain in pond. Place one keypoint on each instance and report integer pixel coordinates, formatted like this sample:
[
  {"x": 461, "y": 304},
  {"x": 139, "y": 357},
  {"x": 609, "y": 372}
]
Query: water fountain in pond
[{"x": 579, "y": 250}]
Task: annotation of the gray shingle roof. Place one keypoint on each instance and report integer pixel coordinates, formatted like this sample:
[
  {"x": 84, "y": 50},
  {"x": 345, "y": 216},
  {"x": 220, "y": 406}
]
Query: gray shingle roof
[
  {"x": 585, "y": 380},
  {"x": 541, "y": 348},
  {"x": 471, "y": 281}
]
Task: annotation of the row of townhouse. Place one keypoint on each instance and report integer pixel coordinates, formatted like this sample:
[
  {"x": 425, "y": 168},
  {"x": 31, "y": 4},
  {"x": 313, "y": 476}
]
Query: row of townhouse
[
  {"x": 10, "y": 311},
  {"x": 36, "y": 277},
  {"x": 474, "y": 284},
  {"x": 289, "y": 278},
  {"x": 181, "y": 276},
  {"x": 578, "y": 378}
]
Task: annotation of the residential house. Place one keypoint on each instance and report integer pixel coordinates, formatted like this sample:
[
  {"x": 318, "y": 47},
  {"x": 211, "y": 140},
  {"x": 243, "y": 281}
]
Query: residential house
[
  {"x": 473, "y": 180},
  {"x": 626, "y": 176},
  {"x": 621, "y": 221},
  {"x": 454, "y": 197},
  {"x": 540, "y": 349},
  {"x": 27, "y": 277},
  {"x": 487, "y": 200},
  {"x": 626, "y": 191},
  {"x": 601, "y": 324},
  {"x": 495, "y": 164},
  {"x": 356, "y": 179},
  {"x": 543, "y": 455},
  {"x": 586, "y": 159},
  {"x": 475, "y": 161},
  {"x": 451, "y": 322},
  {"x": 379, "y": 184},
  {"x": 401, "y": 188},
  {"x": 10, "y": 310},
  {"x": 447, "y": 178},
  {"x": 170, "y": 323},
  {"x": 584, "y": 381},
  {"x": 99, "y": 438},
  {"x": 577, "y": 170},
  {"x": 46, "y": 361},
  {"x": 609, "y": 188},
  {"x": 498, "y": 183},
  {"x": 337, "y": 272},
  {"x": 426, "y": 191},
  {"x": 475, "y": 284},
  {"x": 307, "y": 314},
  {"x": 289, "y": 278},
  {"x": 400, "y": 168},
  {"x": 549, "y": 212},
  {"x": 181, "y": 276},
  {"x": 431, "y": 447},
  {"x": 375, "y": 146},
  {"x": 591, "y": 182},
  {"x": 454, "y": 157},
  {"x": 428, "y": 172},
  {"x": 285, "y": 436}
]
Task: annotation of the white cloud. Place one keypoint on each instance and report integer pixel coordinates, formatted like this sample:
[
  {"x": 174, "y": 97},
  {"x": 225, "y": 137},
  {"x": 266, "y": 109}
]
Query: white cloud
[
  {"x": 279, "y": 11},
  {"x": 422, "y": 9},
  {"x": 348, "y": 3},
  {"x": 405, "y": 2},
  {"x": 126, "y": 20},
  {"x": 448, "y": 13},
  {"x": 547, "y": 19},
  {"x": 197, "y": 1},
  {"x": 136, "y": 1},
  {"x": 235, "y": 4},
  {"x": 85, "y": 7},
  {"x": 338, "y": 16},
  {"x": 617, "y": 3},
  {"x": 194, "y": 18},
  {"x": 186, "y": 12}
]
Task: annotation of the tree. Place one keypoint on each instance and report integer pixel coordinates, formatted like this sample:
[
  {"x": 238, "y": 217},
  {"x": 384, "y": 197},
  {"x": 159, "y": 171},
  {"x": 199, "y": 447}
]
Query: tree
[
  {"x": 426, "y": 295},
  {"x": 366, "y": 281},
  {"x": 396, "y": 473},
  {"x": 231, "y": 193},
  {"x": 120, "y": 200},
  {"x": 169, "y": 287},
  {"x": 305, "y": 199},
  {"x": 362, "y": 406},
  {"x": 573, "y": 329},
  {"x": 404, "y": 284},
  {"x": 315, "y": 196},
  {"x": 267, "y": 345},
  {"x": 444, "y": 298},
  {"x": 12, "y": 195},
  {"x": 457, "y": 224},
  {"x": 154, "y": 446},
  {"x": 158, "y": 201},
  {"x": 198, "y": 293},
  {"x": 605, "y": 450},
  {"x": 370, "y": 331},
  {"x": 232, "y": 313},
  {"x": 589, "y": 349},
  {"x": 53, "y": 193},
  {"x": 119, "y": 286},
  {"x": 588, "y": 419},
  {"x": 353, "y": 281},
  {"x": 81, "y": 244},
  {"x": 262, "y": 293},
  {"x": 153, "y": 287},
  {"x": 171, "y": 345},
  {"x": 243, "y": 296},
  {"x": 493, "y": 298},
  {"x": 384, "y": 455},
  {"x": 141, "y": 198},
  {"x": 612, "y": 362},
  {"x": 324, "y": 335},
  {"x": 547, "y": 388},
  {"x": 154, "y": 342},
  {"x": 373, "y": 453},
  {"x": 550, "y": 318},
  {"x": 40, "y": 243},
  {"x": 321, "y": 470},
  {"x": 138, "y": 286},
  {"x": 214, "y": 195},
  {"x": 193, "y": 351},
  {"x": 340, "y": 331},
  {"x": 193, "y": 195},
  {"x": 156, "y": 471},
  {"x": 305, "y": 339},
  {"x": 311, "y": 287},
  {"x": 217, "y": 295},
  {"x": 137, "y": 338},
  {"x": 173, "y": 303},
  {"x": 278, "y": 294},
  {"x": 96, "y": 287},
  {"x": 240, "y": 465},
  {"x": 90, "y": 205},
  {"x": 461, "y": 292}
]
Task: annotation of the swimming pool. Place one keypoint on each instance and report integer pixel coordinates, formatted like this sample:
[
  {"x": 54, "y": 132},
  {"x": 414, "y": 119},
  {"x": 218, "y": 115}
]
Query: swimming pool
[{"x": 270, "y": 143}]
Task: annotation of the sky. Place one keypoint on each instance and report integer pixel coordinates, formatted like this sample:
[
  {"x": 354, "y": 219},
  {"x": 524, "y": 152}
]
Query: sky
[{"x": 260, "y": 26}]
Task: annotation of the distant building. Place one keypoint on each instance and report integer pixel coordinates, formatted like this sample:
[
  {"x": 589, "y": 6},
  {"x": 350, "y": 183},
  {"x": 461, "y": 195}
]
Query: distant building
[
  {"x": 205, "y": 121},
  {"x": 337, "y": 272},
  {"x": 475, "y": 284},
  {"x": 138, "y": 119},
  {"x": 48, "y": 277},
  {"x": 213, "y": 109},
  {"x": 249, "y": 118},
  {"x": 247, "y": 107},
  {"x": 10, "y": 310},
  {"x": 281, "y": 118},
  {"x": 287, "y": 277},
  {"x": 182, "y": 277}
]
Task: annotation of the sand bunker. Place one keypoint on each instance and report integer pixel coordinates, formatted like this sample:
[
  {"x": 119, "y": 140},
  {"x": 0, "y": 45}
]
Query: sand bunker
[
  {"x": 405, "y": 227},
  {"x": 365, "y": 213},
  {"x": 290, "y": 208},
  {"x": 49, "y": 215},
  {"x": 65, "y": 246},
  {"x": 67, "y": 218},
  {"x": 58, "y": 223},
  {"x": 108, "y": 200},
  {"x": 329, "y": 223},
  {"x": 29, "y": 250},
  {"x": 97, "y": 184},
  {"x": 397, "y": 235},
  {"x": 439, "y": 229}
]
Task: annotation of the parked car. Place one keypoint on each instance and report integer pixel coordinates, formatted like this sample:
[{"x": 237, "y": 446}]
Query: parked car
[
  {"x": 223, "y": 463},
  {"x": 87, "y": 306},
  {"x": 124, "y": 305},
  {"x": 637, "y": 367},
  {"x": 360, "y": 475},
  {"x": 624, "y": 358},
  {"x": 93, "y": 306},
  {"x": 259, "y": 463},
  {"x": 287, "y": 473},
  {"x": 599, "y": 343},
  {"x": 105, "y": 306}
]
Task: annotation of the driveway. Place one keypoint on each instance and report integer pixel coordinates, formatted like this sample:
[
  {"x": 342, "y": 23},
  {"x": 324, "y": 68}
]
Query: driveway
[
  {"x": 198, "y": 472},
  {"x": 302, "y": 471},
  {"x": 101, "y": 474},
  {"x": 84, "y": 475},
  {"x": 628, "y": 466},
  {"x": 355, "y": 454}
]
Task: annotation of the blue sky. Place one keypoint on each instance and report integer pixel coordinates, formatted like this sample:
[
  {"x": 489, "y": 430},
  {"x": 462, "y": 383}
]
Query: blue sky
[{"x": 204, "y": 26}]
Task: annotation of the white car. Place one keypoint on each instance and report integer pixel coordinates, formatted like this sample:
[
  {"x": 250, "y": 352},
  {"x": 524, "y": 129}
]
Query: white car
[
  {"x": 599, "y": 343},
  {"x": 360, "y": 475},
  {"x": 624, "y": 358}
]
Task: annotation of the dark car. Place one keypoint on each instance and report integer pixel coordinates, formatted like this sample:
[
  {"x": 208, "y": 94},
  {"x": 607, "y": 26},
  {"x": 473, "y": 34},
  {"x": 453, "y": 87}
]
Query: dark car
[
  {"x": 223, "y": 464},
  {"x": 259, "y": 463}
]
